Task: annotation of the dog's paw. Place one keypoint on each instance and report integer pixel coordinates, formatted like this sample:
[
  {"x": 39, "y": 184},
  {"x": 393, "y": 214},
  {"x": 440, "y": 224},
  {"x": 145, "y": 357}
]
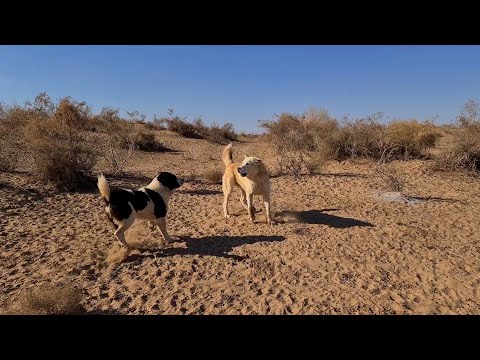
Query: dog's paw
[
  {"x": 172, "y": 240},
  {"x": 227, "y": 216}
]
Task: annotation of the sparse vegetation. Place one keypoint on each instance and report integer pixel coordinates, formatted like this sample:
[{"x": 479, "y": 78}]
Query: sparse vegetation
[
  {"x": 304, "y": 142},
  {"x": 291, "y": 141},
  {"x": 392, "y": 177},
  {"x": 48, "y": 300},
  {"x": 182, "y": 127},
  {"x": 10, "y": 138},
  {"x": 315, "y": 163},
  {"x": 380, "y": 197},
  {"x": 61, "y": 154},
  {"x": 213, "y": 176},
  {"x": 465, "y": 153},
  {"x": 145, "y": 141},
  {"x": 65, "y": 140},
  {"x": 410, "y": 139},
  {"x": 198, "y": 130},
  {"x": 221, "y": 134},
  {"x": 119, "y": 143}
]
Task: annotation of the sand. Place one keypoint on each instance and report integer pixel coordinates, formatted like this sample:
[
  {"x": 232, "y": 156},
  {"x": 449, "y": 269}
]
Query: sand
[{"x": 342, "y": 245}]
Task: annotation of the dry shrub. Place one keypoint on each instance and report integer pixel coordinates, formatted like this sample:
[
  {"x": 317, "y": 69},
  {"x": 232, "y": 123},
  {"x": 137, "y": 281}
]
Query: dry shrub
[
  {"x": 145, "y": 141},
  {"x": 324, "y": 134},
  {"x": 369, "y": 138},
  {"x": 12, "y": 122},
  {"x": 290, "y": 140},
  {"x": 9, "y": 157},
  {"x": 221, "y": 134},
  {"x": 465, "y": 153},
  {"x": 302, "y": 142},
  {"x": 182, "y": 127},
  {"x": 62, "y": 155},
  {"x": 198, "y": 130},
  {"x": 119, "y": 143},
  {"x": 410, "y": 139},
  {"x": 392, "y": 177},
  {"x": 213, "y": 176},
  {"x": 361, "y": 138},
  {"x": 48, "y": 300},
  {"x": 42, "y": 106},
  {"x": 315, "y": 163},
  {"x": 156, "y": 124}
]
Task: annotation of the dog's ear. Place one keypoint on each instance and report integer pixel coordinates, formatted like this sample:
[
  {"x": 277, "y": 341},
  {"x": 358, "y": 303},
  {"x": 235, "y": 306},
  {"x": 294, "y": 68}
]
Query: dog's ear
[{"x": 257, "y": 161}]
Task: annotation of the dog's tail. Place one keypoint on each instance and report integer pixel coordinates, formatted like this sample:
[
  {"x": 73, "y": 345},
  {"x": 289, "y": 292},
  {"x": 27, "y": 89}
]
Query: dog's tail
[
  {"x": 103, "y": 187},
  {"x": 227, "y": 155},
  {"x": 105, "y": 192}
]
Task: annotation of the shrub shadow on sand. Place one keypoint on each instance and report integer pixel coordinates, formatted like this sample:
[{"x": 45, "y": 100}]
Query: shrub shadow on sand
[
  {"x": 345, "y": 174},
  {"x": 30, "y": 192},
  {"x": 130, "y": 177},
  {"x": 433, "y": 198},
  {"x": 319, "y": 217}
]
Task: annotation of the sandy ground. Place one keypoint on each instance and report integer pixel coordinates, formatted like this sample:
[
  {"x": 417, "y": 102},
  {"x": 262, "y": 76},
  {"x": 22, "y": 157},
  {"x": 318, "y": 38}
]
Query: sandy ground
[{"x": 341, "y": 245}]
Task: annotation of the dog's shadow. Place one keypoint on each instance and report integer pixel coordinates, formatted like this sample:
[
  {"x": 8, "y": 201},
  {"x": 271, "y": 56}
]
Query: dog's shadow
[
  {"x": 319, "y": 217},
  {"x": 200, "y": 192},
  {"x": 218, "y": 246}
]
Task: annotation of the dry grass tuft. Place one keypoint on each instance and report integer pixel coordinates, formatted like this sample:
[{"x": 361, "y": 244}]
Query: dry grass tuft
[
  {"x": 48, "y": 300},
  {"x": 213, "y": 176}
]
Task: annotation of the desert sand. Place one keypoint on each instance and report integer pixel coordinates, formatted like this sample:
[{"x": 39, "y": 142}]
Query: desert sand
[{"x": 342, "y": 244}]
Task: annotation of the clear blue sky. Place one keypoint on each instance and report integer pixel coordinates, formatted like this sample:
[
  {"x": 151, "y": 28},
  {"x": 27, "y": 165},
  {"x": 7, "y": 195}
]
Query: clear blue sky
[{"x": 242, "y": 84}]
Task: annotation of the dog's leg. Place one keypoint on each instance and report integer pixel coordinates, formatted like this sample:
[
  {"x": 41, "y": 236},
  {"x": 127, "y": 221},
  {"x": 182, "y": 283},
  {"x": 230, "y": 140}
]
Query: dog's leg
[
  {"x": 120, "y": 232},
  {"x": 243, "y": 199},
  {"x": 266, "y": 203},
  {"x": 251, "y": 211},
  {"x": 162, "y": 227},
  {"x": 227, "y": 191}
]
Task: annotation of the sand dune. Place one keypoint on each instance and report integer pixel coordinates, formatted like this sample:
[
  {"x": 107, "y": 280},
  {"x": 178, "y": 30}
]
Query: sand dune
[{"x": 338, "y": 247}]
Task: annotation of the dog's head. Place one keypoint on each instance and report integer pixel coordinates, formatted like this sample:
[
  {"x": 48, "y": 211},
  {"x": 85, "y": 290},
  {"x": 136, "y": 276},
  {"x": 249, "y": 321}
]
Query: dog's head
[
  {"x": 169, "y": 180},
  {"x": 249, "y": 167}
]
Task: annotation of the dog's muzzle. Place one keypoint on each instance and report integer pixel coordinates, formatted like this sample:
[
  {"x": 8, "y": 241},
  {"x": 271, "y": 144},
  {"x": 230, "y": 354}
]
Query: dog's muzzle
[{"x": 240, "y": 172}]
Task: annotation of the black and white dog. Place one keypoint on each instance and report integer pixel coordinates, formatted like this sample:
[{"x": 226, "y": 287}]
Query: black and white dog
[{"x": 149, "y": 203}]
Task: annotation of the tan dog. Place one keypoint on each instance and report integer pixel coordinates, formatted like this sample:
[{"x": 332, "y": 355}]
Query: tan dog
[{"x": 251, "y": 176}]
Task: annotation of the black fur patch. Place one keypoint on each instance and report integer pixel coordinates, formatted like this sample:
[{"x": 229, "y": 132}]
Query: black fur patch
[
  {"x": 168, "y": 180},
  {"x": 111, "y": 220},
  {"x": 160, "y": 210},
  {"x": 120, "y": 199}
]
